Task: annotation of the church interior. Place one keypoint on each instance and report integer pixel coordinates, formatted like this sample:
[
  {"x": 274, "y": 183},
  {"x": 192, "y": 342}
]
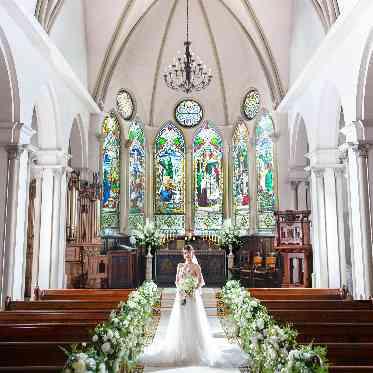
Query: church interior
[{"x": 131, "y": 128}]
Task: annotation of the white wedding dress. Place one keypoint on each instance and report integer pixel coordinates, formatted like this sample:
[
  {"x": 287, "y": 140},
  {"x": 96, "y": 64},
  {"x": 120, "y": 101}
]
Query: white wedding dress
[{"x": 188, "y": 340}]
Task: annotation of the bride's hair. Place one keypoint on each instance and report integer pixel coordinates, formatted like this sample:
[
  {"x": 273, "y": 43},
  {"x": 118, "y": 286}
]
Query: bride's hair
[{"x": 188, "y": 248}]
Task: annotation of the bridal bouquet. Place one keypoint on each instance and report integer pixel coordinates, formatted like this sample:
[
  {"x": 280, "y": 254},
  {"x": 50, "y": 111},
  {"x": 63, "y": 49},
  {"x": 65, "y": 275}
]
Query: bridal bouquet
[{"x": 187, "y": 286}]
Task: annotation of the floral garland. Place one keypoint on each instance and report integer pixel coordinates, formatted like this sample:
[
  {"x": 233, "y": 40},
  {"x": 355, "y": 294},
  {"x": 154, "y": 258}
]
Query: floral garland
[
  {"x": 147, "y": 236},
  {"x": 117, "y": 343},
  {"x": 271, "y": 348}
]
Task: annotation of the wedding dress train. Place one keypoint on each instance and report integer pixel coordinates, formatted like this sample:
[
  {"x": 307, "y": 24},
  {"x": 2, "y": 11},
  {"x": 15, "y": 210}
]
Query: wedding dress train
[{"x": 188, "y": 340}]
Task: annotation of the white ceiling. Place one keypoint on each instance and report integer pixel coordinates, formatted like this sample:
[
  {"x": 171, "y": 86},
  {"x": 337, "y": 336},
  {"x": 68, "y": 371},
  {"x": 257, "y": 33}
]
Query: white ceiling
[{"x": 246, "y": 43}]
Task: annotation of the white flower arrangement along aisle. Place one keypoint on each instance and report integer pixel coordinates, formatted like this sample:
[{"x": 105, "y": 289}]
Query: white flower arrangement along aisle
[
  {"x": 271, "y": 348},
  {"x": 117, "y": 343}
]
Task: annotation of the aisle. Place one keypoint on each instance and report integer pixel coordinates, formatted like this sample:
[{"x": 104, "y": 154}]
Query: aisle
[{"x": 208, "y": 295}]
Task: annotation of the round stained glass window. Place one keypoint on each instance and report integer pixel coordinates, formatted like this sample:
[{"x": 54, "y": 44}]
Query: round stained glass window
[
  {"x": 125, "y": 104},
  {"x": 188, "y": 113},
  {"x": 251, "y": 104}
]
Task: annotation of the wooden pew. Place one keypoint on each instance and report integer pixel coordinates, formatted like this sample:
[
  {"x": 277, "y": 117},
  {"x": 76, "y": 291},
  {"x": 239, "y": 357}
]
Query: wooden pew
[
  {"x": 330, "y": 315},
  {"x": 318, "y": 305},
  {"x": 84, "y": 294},
  {"x": 297, "y": 294},
  {"x": 48, "y": 316},
  {"x": 61, "y": 305}
]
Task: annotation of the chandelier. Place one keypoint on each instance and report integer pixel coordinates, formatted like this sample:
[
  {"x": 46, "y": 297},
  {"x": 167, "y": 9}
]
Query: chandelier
[{"x": 187, "y": 73}]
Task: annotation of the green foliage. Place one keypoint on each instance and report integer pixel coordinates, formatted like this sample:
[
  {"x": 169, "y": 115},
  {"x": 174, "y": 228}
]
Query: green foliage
[
  {"x": 117, "y": 343},
  {"x": 271, "y": 348}
]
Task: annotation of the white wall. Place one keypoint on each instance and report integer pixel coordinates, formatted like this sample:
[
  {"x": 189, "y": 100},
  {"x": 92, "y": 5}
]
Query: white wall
[
  {"x": 69, "y": 35},
  {"x": 307, "y": 34}
]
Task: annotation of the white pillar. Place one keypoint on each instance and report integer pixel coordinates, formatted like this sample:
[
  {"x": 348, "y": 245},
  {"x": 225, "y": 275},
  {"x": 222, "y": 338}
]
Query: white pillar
[
  {"x": 361, "y": 224},
  {"x": 294, "y": 184},
  {"x": 332, "y": 228},
  {"x": 51, "y": 166},
  {"x": 322, "y": 256},
  {"x": 339, "y": 179},
  {"x": 14, "y": 249}
]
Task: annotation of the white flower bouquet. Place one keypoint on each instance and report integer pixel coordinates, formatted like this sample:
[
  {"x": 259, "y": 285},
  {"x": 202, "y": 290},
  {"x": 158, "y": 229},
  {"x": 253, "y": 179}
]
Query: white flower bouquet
[
  {"x": 188, "y": 285},
  {"x": 271, "y": 348},
  {"x": 117, "y": 343}
]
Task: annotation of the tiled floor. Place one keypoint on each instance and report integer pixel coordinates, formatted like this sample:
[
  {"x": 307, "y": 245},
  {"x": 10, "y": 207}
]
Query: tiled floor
[{"x": 208, "y": 297}]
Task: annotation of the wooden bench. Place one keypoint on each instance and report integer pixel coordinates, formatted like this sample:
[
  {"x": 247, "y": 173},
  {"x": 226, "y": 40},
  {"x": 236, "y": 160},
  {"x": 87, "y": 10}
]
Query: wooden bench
[
  {"x": 318, "y": 304},
  {"x": 61, "y": 305},
  {"x": 330, "y": 315},
  {"x": 297, "y": 294},
  {"x": 84, "y": 294},
  {"x": 53, "y": 316}
]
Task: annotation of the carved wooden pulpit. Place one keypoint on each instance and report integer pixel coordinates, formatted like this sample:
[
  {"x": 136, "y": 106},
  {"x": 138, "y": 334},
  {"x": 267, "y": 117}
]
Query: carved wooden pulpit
[{"x": 293, "y": 242}]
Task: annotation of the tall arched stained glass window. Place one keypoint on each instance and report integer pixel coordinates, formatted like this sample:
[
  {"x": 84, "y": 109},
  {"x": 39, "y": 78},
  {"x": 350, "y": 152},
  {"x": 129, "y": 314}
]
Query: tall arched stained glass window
[
  {"x": 208, "y": 179},
  {"x": 136, "y": 174},
  {"x": 266, "y": 198},
  {"x": 241, "y": 178},
  {"x": 169, "y": 174},
  {"x": 110, "y": 174}
]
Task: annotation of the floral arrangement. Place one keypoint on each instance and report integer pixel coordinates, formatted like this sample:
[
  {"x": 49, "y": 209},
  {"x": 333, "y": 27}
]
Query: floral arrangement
[
  {"x": 117, "y": 343},
  {"x": 229, "y": 235},
  {"x": 148, "y": 236},
  {"x": 188, "y": 285},
  {"x": 271, "y": 348}
]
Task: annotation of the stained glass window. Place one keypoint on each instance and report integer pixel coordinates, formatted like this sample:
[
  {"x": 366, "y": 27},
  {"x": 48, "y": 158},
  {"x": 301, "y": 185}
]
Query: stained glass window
[
  {"x": 188, "y": 113},
  {"x": 208, "y": 179},
  {"x": 136, "y": 178},
  {"x": 111, "y": 173},
  {"x": 251, "y": 104},
  {"x": 169, "y": 171},
  {"x": 125, "y": 104},
  {"x": 241, "y": 177},
  {"x": 265, "y": 170}
]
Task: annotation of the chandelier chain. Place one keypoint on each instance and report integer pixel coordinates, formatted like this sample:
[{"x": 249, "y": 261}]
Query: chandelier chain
[{"x": 187, "y": 73}]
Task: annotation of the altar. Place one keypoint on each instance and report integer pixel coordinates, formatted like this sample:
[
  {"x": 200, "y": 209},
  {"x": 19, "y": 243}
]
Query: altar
[{"x": 212, "y": 262}]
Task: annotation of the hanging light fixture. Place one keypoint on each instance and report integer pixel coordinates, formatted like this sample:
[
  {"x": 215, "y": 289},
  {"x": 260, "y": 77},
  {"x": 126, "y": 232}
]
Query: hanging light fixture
[{"x": 187, "y": 73}]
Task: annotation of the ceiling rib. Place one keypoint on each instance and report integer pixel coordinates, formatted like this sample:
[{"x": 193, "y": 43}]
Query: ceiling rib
[
  {"x": 109, "y": 49},
  {"x": 270, "y": 80},
  {"x": 110, "y": 72},
  {"x": 216, "y": 54},
  {"x": 159, "y": 59}
]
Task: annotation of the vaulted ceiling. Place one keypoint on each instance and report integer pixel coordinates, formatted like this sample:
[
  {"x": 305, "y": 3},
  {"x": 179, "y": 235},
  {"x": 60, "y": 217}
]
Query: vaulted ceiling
[{"x": 245, "y": 42}]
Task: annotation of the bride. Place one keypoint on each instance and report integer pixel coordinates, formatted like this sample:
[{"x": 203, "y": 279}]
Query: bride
[{"x": 188, "y": 340}]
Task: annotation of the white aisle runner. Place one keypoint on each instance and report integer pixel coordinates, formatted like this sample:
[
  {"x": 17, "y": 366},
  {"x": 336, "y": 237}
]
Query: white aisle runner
[{"x": 208, "y": 295}]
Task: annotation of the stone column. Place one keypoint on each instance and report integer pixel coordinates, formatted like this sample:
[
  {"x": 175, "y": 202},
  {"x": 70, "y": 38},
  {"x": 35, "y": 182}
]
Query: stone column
[
  {"x": 189, "y": 190},
  {"x": 14, "y": 249},
  {"x": 51, "y": 166},
  {"x": 339, "y": 177},
  {"x": 361, "y": 223},
  {"x": 332, "y": 227},
  {"x": 124, "y": 187},
  {"x": 227, "y": 190},
  {"x": 294, "y": 184},
  {"x": 320, "y": 258}
]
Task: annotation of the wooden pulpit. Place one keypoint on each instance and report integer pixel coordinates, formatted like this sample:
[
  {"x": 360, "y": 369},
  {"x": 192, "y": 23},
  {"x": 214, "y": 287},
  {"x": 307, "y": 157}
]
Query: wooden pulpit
[{"x": 293, "y": 242}]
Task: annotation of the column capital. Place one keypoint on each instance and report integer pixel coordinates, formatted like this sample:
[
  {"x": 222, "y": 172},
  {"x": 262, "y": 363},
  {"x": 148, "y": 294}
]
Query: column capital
[
  {"x": 318, "y": 172},
  {"x": 14, "y": 151},
  {"x": 15, "y": 133},
  {"x": 294, "y": 184},
  {"x": 51, "y": 158},
  {"x": 362, "y": 149}
]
